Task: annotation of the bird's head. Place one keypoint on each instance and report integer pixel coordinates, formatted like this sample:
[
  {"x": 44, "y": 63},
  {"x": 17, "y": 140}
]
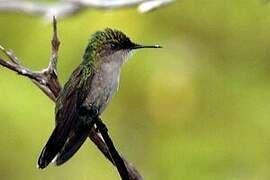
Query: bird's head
[{"x": 109, "y": 45}]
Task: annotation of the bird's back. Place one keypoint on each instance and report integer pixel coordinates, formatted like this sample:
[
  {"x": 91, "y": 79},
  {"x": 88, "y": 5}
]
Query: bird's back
[{"x": 67, "y": 115}]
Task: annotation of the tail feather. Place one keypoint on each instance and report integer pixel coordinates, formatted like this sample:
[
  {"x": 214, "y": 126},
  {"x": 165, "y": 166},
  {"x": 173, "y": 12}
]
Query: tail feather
[
  {"x": 53, "y": 146},
  {"x": 72, "y": 146}
]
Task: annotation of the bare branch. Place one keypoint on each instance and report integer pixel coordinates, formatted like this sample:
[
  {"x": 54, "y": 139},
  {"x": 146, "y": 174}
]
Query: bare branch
[
  {"x": 47, "y": 81},
  {"x": 47, "y": 10},
  {"x": 107, "y": 4},
  {"x": 12, "y": 65},
  {"x": 97, "y": 139},
  {"x": 64, "y": 8},
  {"x": 152, "y": 5},
  {"x": 143, "y": 5},
  {"x": 117, "y": 159}
]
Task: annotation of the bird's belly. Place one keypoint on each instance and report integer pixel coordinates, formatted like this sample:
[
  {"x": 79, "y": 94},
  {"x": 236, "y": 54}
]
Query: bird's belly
[
  {"x": 103, "y": 95},
  {"x": 103, "y": 87}
]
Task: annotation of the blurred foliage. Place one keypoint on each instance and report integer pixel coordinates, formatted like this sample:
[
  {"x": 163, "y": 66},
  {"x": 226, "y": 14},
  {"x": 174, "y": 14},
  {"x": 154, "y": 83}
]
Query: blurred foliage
[{"x": 197, "y": 109}]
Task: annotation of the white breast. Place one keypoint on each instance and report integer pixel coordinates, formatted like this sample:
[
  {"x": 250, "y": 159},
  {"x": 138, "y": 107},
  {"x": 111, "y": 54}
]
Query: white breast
[{"x": 105, "y": 82}]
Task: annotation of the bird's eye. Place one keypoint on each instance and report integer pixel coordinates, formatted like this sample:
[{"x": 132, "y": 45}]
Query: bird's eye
[{"x": 113, "y": 46}]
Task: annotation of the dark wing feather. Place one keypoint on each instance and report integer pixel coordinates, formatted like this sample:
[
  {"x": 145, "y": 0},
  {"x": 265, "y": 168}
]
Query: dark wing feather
[
  {"x": 73, "y": 144},
  {"x": 66, "y": 115},
  {"x": 80, "y": 130}
]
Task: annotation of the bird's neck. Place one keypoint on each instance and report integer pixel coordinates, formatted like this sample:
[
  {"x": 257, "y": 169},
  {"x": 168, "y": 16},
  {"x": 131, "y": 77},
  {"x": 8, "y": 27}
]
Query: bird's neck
[{"x": 112, "y": 62}]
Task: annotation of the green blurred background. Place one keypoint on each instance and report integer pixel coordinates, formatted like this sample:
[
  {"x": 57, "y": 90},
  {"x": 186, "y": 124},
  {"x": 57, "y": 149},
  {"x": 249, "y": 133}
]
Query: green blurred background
[{"x": 198, "y": 109}]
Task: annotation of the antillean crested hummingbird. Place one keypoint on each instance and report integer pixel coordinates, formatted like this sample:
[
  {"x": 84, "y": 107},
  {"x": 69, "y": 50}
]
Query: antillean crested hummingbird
[{"x": 86, "y": 94}]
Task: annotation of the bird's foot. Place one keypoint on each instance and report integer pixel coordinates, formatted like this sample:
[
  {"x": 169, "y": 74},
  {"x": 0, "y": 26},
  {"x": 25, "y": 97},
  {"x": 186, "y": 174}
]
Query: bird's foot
[
  {"x": 92, "y": 114},
  {"x": 89, "y": 111},
  {"x": 89, "y": 114}
]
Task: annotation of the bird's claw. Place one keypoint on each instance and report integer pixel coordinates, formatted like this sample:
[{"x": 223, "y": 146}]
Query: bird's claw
[
  {"x": 94, "y": 113},
  {"x": 91, "y": 111}
]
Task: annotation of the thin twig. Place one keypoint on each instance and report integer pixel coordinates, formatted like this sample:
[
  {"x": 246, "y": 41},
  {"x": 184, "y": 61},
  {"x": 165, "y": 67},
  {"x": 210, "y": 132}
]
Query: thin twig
[
  {"x": 52, "y": 68},
  {"x": 47, "y": 81}
]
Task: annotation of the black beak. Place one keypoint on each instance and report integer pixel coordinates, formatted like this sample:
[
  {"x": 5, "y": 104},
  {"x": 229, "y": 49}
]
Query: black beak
[{"x": 137, "y": 46}]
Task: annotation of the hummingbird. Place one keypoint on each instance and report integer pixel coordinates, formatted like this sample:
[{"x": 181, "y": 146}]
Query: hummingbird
[{"x": 87, "y": 93}]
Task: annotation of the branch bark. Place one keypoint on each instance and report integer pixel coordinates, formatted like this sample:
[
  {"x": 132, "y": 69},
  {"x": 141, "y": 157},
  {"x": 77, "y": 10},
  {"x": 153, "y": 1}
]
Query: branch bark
[
  {"x": 65, "y": 8},
  {"x": 118, "y": 161},
  {"x": 47, "y": 81}
]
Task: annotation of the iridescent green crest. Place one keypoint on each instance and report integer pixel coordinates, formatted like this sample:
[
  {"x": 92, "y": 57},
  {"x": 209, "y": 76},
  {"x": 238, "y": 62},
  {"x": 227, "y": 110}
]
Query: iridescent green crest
[{"x": 107, "y": 41}]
